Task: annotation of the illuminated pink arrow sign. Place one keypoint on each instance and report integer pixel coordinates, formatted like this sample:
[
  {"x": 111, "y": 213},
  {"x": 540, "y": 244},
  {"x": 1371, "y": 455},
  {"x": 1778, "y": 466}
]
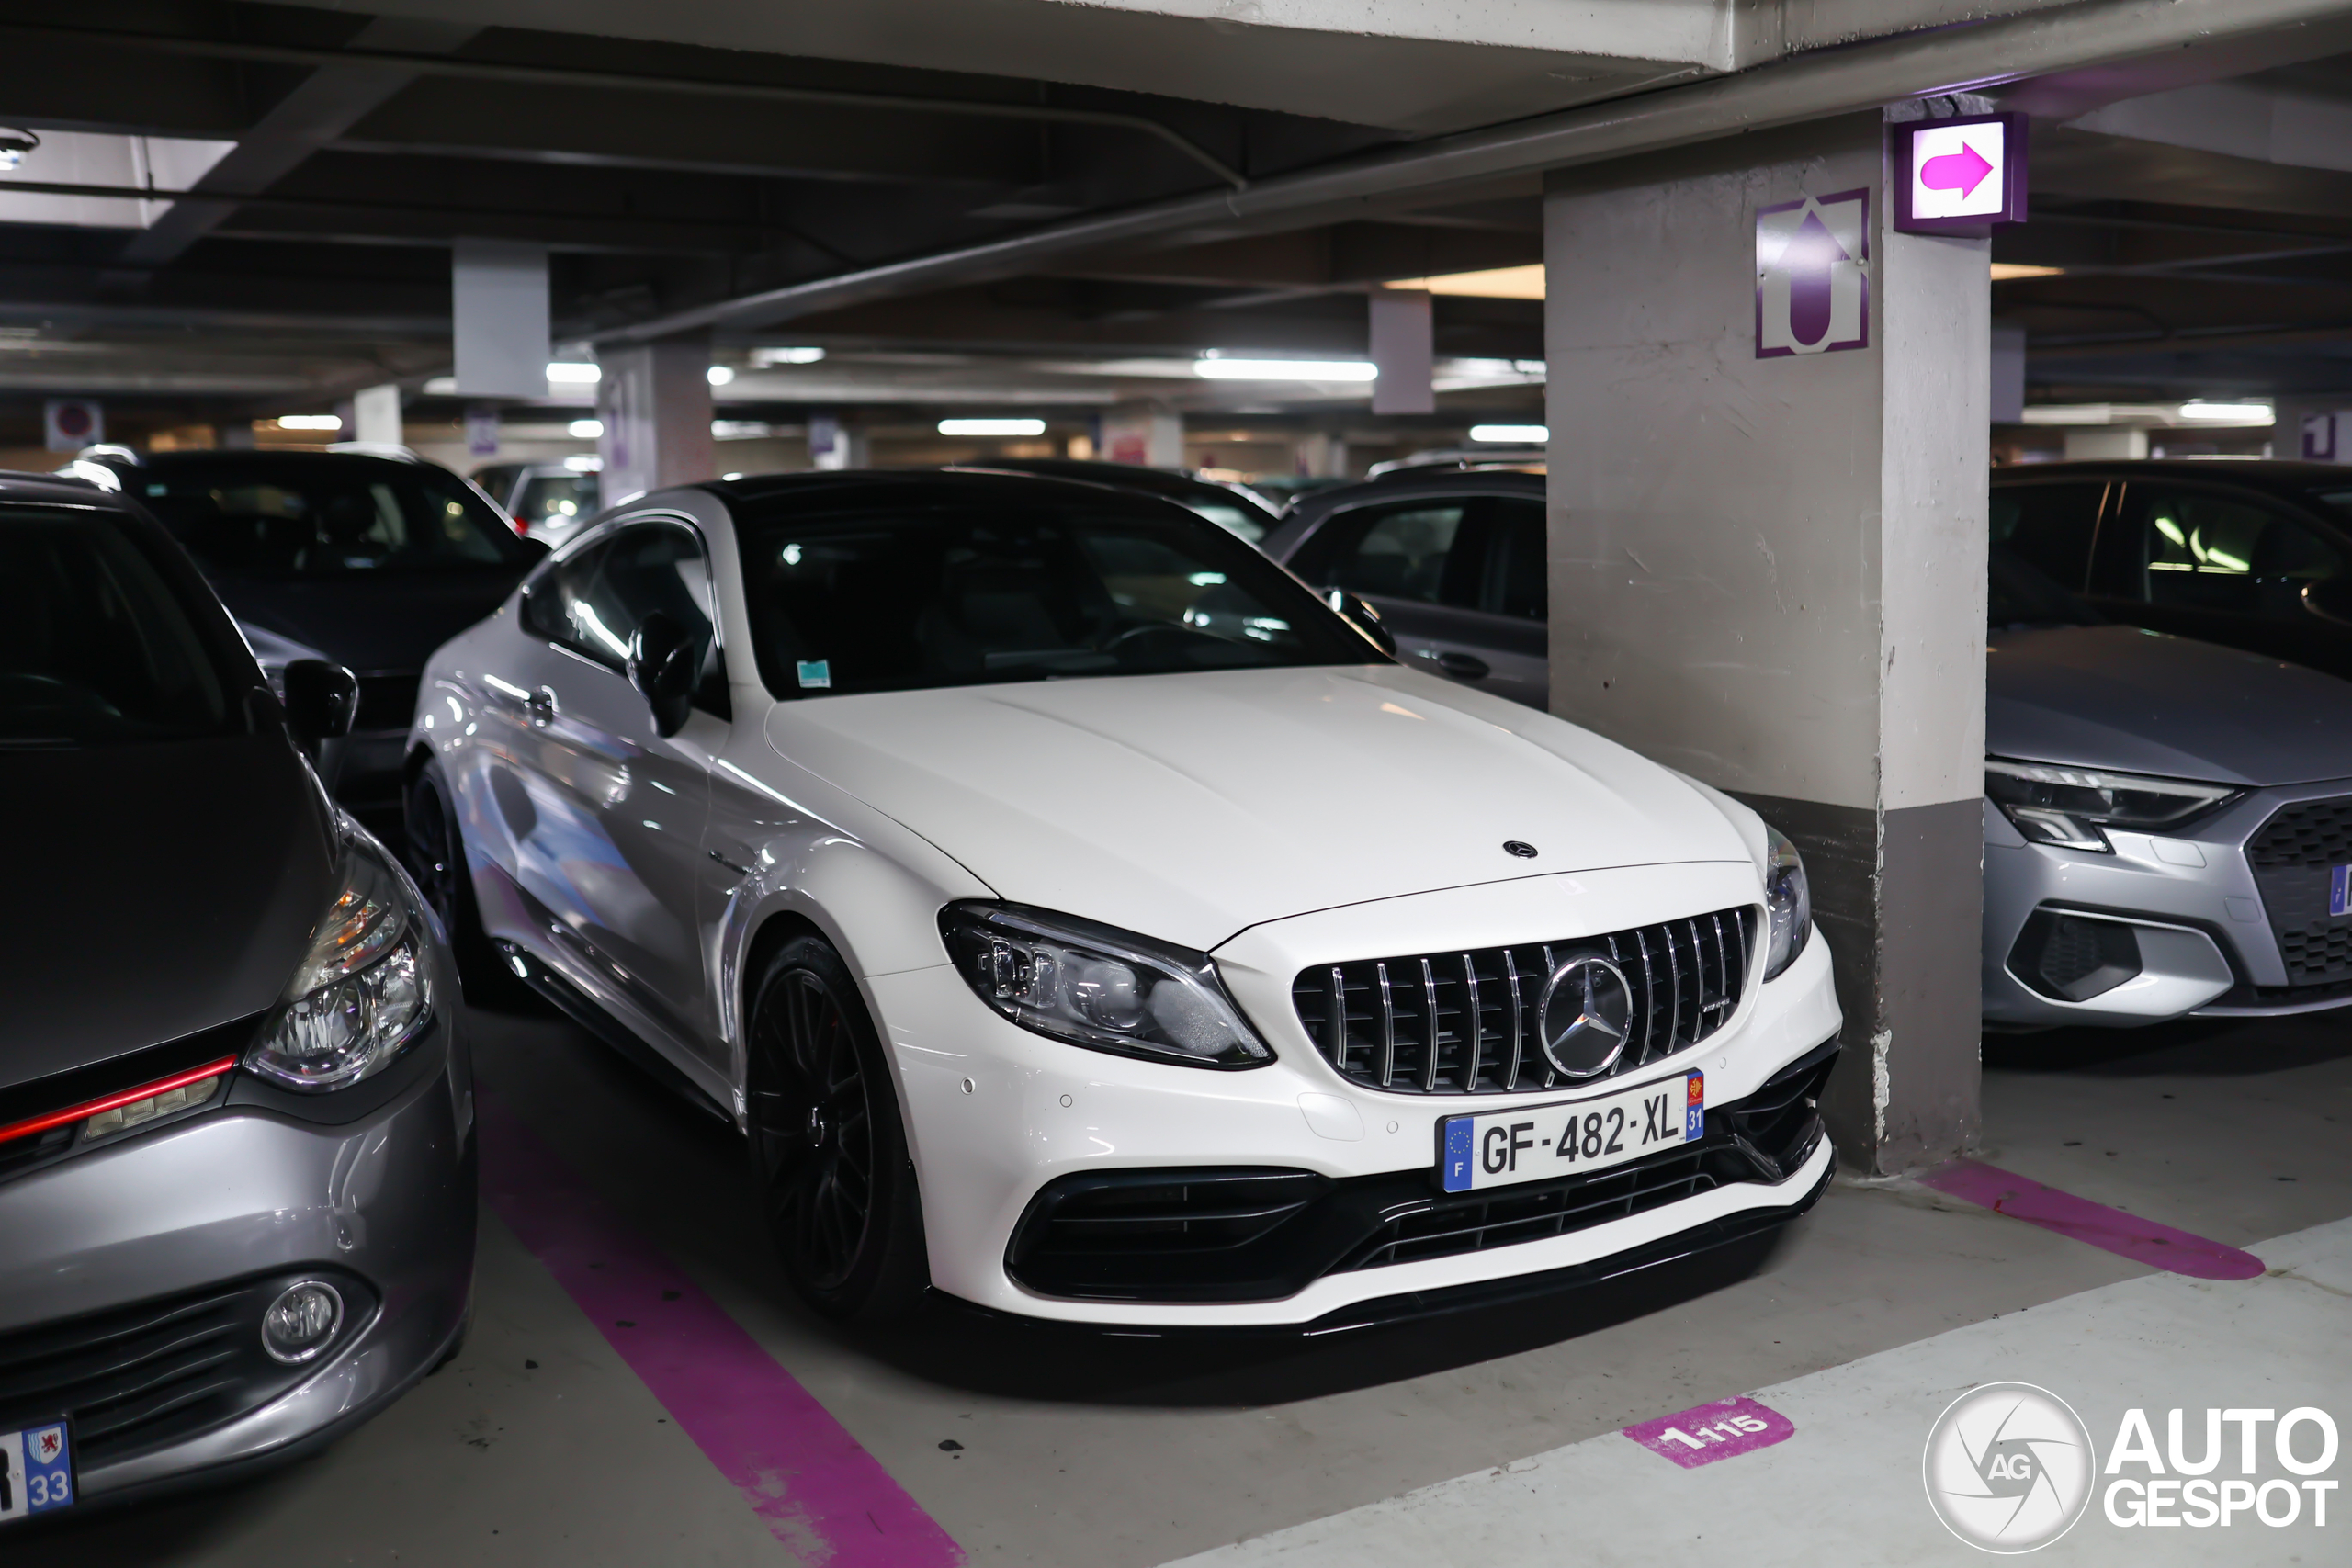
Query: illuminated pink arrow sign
[{"x": 1963, "y": 171}]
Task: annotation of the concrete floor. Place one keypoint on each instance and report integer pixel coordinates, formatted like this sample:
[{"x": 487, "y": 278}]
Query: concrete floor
[{"x": 539, "y": 1445}]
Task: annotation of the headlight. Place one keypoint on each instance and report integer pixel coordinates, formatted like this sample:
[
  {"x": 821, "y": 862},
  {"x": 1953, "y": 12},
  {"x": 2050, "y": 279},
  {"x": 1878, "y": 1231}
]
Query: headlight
[
  {"x": 1788, "y": 902},
  {"x": 2067, "y": 806},
  {"x": 359, "y": 996},
  {"x": 1104, "y": 989}
]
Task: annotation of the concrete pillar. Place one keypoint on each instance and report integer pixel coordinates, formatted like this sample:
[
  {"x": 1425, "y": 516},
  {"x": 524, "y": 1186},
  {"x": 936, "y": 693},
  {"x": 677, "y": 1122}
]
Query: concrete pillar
[
  {"x": 1403, "y": 347},
  {"x": 376, "y": 415},
  {"x": 1323, "y": 454},
  {"x": 498, "y": 309},
  {"x": 1144, "y": 434},
  {"x": 2105, "y": 443},
  {"x": 655, "y": 401},
  {"x": 1767, "y": 543},
  {"x": 2008, "y": 373},
  {"x": 832, "y": 445},
  {"x": 2314, "y": 430}
]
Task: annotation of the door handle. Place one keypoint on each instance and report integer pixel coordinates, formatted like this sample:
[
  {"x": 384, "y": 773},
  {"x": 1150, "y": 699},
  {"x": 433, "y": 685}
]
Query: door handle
[
  {"x": 1463, "y": 666},
  {"x": 540, "y": 704}
]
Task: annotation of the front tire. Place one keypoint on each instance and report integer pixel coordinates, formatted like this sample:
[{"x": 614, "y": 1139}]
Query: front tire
[
  {"x": 437, "y": 858},
  {"x": 837, "y": 1188}
]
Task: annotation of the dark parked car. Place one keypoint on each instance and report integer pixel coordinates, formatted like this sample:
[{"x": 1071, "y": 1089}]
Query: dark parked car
[
  {"x": 1454, "y": 562},
  {"x": 2251, "y": 555},
  {"x": 373, "y": 561},
  {"x": 1230, "y": 506},
  {"x": 237, "y": 1176}
]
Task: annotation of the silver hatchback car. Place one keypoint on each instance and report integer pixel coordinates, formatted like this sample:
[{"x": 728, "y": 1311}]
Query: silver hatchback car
[
  {"x": 237, "y": 1164},
  {"x": 2167, "y": 823}
]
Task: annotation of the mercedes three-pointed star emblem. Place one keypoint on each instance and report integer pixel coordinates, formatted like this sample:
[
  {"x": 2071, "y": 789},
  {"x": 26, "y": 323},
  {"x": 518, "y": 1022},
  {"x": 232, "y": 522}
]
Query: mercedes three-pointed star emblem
[{"x": 1586, "y": 1016}]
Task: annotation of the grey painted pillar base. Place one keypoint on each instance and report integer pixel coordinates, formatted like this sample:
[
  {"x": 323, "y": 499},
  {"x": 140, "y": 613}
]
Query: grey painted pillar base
[{"x": 1888, "y": 893}]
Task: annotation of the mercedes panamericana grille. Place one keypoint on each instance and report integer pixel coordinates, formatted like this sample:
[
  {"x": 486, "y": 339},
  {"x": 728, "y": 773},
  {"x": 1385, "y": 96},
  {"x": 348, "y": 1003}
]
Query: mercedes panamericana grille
[{"x": 1081, "y": 917}]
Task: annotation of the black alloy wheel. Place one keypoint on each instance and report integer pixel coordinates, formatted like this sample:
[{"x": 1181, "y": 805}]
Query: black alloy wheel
[
  {"x": 436, "y": 857},
  {"x": 837, "y": 1190}
]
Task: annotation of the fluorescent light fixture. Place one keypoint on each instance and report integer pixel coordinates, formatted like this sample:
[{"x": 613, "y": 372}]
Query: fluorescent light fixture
[
  {"x": 573, "y": 373},
  {"x": 584, "y": 465},
  {"x": 740, "y": 429},
  {"x": 1216, "y": 368},
  {"x": 1511, "y": 435},
  {"x": 992, "y": 427},
  {"x": 2229, "y": 413},
  {"x": 587, "y": 429},
  {"x": 440, "y": 387},
  {"x": 310, "y": 422},
  {"x": 764, "y": 357},
  {"x": 2007, "y": 272},
  {"x": 720, "y": 375},
  {"x": 1495, "y": 283}
]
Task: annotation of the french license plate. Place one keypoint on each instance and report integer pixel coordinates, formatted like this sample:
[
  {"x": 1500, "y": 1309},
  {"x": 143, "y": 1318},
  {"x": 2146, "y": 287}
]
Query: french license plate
[
  {"x": 36, "y": 1471},
  {"x": 1533, "y": 1143}
]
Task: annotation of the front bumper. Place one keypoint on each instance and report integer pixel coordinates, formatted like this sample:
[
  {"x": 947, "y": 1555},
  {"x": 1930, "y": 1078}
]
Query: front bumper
[
  {"x": 2200, "y": 931},
  {"x": 132, "y": 1277},
  {"x": 996, "y": 1114}
]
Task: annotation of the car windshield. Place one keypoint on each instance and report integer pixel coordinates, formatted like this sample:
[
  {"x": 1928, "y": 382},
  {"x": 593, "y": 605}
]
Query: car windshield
[
  {"x": 325, "y": 517},
  {"x": 96, "y": 647},
  {"x": 556, "y": 498},
  {"x": 953, "y": 596},
  {"x": 2337, "y": 498},
  {"x": 2021, "y": 594}
]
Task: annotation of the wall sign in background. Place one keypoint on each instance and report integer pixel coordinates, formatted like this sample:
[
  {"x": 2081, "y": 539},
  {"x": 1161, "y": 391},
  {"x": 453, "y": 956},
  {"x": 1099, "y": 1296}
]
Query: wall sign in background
[
  {"x": 1960, "y": 175},
  {"x": 1812, "y": 280}
]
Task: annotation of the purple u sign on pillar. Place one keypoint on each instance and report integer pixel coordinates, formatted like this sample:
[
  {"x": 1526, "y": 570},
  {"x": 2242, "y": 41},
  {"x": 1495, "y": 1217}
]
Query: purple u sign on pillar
[
  {"x": 1813, "y": 293},
  {"x": 1709, "y": 1432}
]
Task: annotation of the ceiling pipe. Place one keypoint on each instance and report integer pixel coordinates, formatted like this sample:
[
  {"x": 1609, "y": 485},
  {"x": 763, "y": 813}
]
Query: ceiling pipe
[{"x": 1814, "y": 85}]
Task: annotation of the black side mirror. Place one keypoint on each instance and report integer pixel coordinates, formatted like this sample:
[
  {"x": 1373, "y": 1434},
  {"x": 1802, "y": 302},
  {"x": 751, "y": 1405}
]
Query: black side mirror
[
  {"x": 321, "y": 699},
  {"x": 1364, "y": 617},
  {"x": 662, "y": 666}
]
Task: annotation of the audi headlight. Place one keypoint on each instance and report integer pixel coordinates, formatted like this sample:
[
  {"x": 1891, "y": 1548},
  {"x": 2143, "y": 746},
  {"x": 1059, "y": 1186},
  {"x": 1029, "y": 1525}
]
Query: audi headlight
[
  {"x": 360, "y": 995},
  {"x": 2067, "y": 806},
  {"x": 1105, "y": 990},
  {"x": 1788, "y": 902}
]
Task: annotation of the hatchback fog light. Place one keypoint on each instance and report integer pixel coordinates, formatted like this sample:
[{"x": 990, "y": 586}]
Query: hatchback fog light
[{"x": 301, "y": 1322}]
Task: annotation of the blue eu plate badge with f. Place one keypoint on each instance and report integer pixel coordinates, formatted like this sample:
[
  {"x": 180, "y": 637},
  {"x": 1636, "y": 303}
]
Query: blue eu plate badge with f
[{"x": 2339, "y": 890}]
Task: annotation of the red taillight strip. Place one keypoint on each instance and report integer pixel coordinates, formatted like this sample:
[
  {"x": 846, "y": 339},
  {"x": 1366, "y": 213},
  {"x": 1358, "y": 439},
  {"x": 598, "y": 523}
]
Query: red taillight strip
[{"x": 32, "y": 1124}]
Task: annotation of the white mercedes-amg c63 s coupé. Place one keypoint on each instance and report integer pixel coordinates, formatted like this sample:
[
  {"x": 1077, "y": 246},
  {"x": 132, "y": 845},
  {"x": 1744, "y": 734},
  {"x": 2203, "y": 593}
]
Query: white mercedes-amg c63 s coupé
[{"x": 1081, "y": 917}]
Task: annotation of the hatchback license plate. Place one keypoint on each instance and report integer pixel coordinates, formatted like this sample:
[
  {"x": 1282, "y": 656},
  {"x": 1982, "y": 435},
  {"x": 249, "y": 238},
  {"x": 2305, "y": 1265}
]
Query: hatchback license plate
[
  {"x": 1535, "y": 1143},
  {"x": 36, "y": 1471}
]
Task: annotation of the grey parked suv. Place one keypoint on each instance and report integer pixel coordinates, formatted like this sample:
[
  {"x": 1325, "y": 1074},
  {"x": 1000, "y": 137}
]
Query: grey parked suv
[
  {"x": 1454, "y": 562},
  {"x": 2168, "y": 822},
  {"x": 236, "y": 1151}
]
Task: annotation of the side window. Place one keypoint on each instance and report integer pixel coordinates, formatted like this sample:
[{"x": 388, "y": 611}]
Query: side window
[
  {"x": 1404, "y": 550},
  {"x": 1521, "y": 583},
  {"x": 549, "y": 602},
  {"x": 2049, "y": 527},
  {"x": 2196, "y": 550}
]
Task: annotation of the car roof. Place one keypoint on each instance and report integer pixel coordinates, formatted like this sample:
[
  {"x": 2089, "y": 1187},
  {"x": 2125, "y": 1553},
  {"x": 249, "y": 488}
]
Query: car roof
[
  {"x": 920, "y": 487},
  {"x": 1435, "y": 481},
  {"x": 222, "y": 457},
  {"x": 58, "y": 488},
  {"x": 2276, "y": 475}
]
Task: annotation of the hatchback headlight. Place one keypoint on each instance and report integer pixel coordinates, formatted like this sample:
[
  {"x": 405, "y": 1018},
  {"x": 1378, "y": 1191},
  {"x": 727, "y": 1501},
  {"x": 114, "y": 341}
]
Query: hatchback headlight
[
  {"x": 1105, "y": 990},
  {"x": 1788, "y": 902},
  {"x": 2067, "y": 806},
  {"x": 360, "y": 995}
]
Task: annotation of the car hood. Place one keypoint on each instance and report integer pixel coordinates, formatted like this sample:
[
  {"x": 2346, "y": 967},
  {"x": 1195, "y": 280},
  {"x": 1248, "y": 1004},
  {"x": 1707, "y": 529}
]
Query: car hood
[
  {"x": 1190, "y": 807},
  {"x": 371, "y": 625},
  {"x": 150, "y": 892},
  {"x": 2142, "y": 701}
]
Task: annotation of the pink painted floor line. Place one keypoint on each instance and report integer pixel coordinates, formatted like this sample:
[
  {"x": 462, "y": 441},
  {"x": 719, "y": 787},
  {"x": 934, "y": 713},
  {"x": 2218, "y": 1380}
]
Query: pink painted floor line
[
  {"x": 823, "y": 1495},
  {"x": 2127, "y": 1236}
]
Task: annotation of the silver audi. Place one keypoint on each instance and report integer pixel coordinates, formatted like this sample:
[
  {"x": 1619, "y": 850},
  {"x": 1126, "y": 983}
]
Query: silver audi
[
  {"x": 236, "y": 1152},
  {"x": 2167, "y": 823}
]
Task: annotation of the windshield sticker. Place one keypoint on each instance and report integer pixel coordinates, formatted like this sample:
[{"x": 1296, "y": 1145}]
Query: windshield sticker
[{"x": 816, "y": 673}]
